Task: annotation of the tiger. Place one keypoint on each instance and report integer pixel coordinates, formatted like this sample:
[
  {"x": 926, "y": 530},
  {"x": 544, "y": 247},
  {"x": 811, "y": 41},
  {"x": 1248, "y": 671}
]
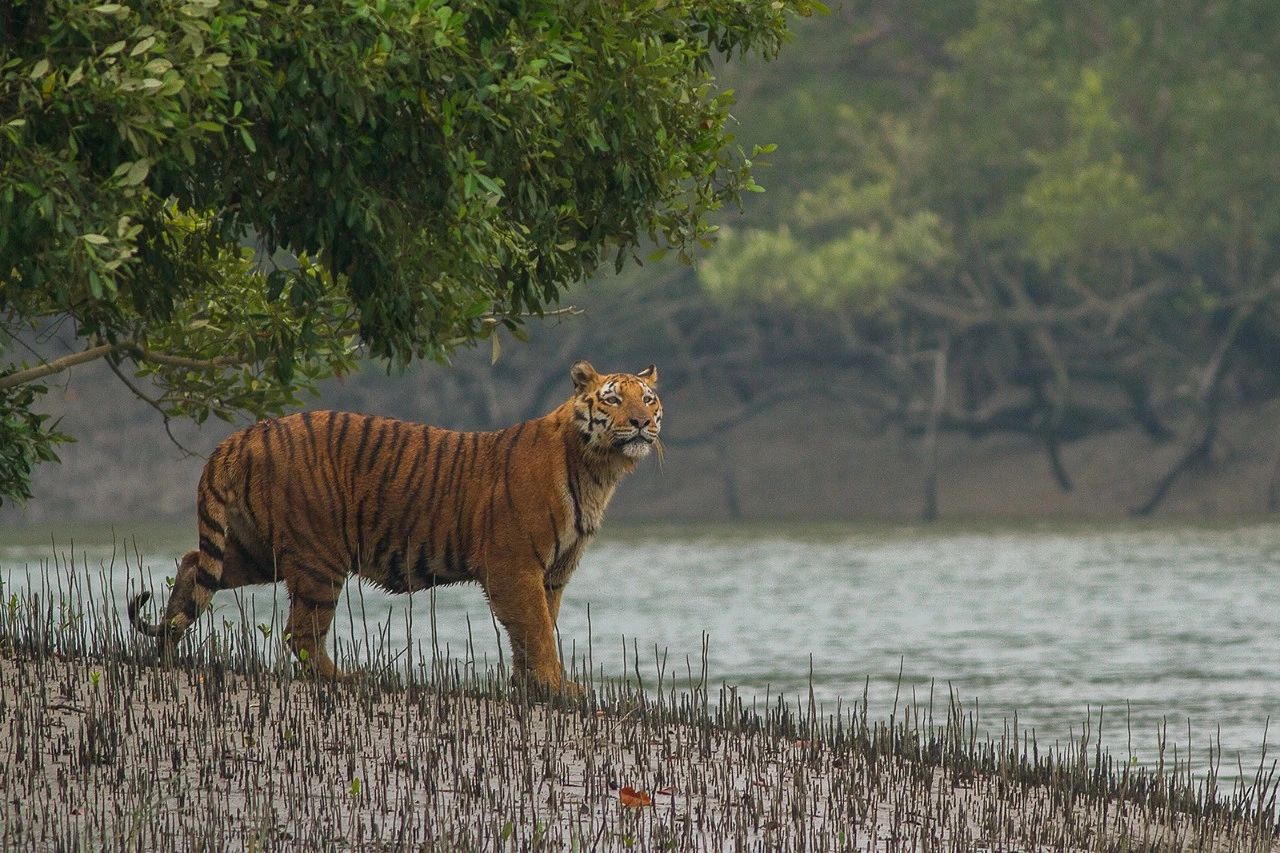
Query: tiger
[{"x": 314, "y": 498}]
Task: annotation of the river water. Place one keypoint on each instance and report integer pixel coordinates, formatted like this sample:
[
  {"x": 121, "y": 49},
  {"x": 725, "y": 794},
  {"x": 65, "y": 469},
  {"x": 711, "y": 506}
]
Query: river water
[{"x": 1175, "y": 626}]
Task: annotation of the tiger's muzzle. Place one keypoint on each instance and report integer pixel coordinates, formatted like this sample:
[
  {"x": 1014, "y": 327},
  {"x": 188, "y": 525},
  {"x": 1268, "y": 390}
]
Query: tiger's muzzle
[{"x": 637, "y": 443}]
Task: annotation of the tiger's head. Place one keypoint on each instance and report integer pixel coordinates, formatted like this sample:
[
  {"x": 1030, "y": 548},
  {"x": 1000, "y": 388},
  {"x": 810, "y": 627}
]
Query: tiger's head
[{"x": 617, "y": 412}]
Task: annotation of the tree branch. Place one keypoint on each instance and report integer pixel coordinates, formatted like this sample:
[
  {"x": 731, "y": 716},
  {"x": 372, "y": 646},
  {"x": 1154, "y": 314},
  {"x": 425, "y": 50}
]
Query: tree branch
[
  {"x": 167, "y": 360},
  {"x": 936, "y": 408},
  {"x": 1209, "y": 396},
  {"x": 746, "y": 412},
  {"x": 32, "y": 374},
  {"x": 142, "y": 353},
  {"x": 153, "y": 403},
  {"x": 967, "y": 317}
]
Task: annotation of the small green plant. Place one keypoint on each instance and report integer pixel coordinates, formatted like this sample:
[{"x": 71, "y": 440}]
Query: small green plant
[
  {"x": 355, "y": 788},
  {"x": 265, "y": 629},
  {"x": 94, "y": 678}
]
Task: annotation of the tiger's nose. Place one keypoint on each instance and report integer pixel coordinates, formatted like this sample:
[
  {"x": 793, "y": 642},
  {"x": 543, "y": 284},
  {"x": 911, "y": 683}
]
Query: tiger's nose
[{"x": 641, "y": 424}]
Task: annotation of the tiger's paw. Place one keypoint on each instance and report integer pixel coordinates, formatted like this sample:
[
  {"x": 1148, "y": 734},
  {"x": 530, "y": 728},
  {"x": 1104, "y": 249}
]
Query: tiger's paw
[
  {"x": 553, "y": 690},
  {"x": 571, "y": 689}
]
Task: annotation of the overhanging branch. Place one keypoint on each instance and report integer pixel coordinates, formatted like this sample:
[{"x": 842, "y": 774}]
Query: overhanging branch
[
  {"x": 32, "y": 374},
  {"x": 142, "y": 353}
]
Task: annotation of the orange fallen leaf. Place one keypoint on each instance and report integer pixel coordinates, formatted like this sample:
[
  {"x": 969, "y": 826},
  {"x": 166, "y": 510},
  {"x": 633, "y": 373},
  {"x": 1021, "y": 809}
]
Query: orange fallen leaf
[{"x": 632, "y": 798}]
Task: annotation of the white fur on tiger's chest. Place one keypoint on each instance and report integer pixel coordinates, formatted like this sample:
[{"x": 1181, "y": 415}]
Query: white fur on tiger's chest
[{"x": 584, "y": 511}]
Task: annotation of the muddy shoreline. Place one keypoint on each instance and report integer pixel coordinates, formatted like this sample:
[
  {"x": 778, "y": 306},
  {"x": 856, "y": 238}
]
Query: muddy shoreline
[{"x": 109, "y": 751}]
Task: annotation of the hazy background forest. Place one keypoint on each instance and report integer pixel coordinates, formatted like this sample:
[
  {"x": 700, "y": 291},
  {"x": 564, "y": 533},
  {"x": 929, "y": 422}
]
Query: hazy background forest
[{"x": 1015, "y": 259}]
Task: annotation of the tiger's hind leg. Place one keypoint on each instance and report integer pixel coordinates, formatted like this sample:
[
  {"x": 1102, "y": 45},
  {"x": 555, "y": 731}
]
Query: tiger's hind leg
[
  {"x": 312, "y": 602},
  {"x": 192, "y": 591},
  {"x": 201, "y": 573}
]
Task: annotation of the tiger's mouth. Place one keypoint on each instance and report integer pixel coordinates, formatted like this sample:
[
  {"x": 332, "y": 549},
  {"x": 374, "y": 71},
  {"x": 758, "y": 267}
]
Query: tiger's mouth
[{"x": 634, "y": 447}]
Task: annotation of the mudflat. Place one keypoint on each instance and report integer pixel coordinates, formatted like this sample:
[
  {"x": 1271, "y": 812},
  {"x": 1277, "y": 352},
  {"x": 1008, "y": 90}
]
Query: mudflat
[{"x": 109, "y": 751}]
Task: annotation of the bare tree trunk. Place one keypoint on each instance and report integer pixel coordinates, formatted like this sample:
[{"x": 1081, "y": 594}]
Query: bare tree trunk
[
  {"x": 1198, "y": 451},
  {"x": 729, "y": 480},
  {"x": 931, "y": 431},
  {"x": 1045, "y": 420},
  {"x": 1210, "y": 397},
  {"x": 1053, "y": 449},
  {"x": 1273, "y": 488}
]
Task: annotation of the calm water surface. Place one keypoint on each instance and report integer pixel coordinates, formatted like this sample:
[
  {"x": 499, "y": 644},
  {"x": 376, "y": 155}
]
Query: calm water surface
[{"x": 1170, "y": 624}]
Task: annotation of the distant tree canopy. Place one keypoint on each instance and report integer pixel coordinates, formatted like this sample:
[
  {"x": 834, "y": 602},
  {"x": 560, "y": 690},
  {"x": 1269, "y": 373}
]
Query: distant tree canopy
[
  {"x": 1075, "y": 206},
  {"x": 429, "y": 170}
]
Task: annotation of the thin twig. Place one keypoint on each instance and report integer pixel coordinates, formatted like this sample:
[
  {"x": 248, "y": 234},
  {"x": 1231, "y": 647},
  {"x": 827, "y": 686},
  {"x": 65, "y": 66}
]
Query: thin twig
[{"x": 155, "y": 404}]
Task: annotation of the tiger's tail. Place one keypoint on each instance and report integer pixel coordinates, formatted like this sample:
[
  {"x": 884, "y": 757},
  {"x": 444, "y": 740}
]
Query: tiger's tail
[
  {"x": 199, "y": 572},
  {"x": 141, "y": 625}
]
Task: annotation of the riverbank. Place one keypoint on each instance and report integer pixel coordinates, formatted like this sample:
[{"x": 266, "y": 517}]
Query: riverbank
[
  {"x": 106, "y": 750},
  {"x": 801, "y": 459}
]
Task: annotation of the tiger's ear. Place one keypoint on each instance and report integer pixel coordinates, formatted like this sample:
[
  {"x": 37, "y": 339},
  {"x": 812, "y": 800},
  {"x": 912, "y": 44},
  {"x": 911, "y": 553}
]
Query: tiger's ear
[
  {"x": 649, "y": 374},
  {"x": 582, "y": 374}
]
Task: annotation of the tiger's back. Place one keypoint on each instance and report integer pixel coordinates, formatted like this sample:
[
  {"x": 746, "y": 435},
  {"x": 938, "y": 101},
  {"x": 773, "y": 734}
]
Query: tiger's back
[{"x": 385, "y": 498}]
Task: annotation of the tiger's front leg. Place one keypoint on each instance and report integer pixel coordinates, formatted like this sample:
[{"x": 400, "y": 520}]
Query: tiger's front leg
[{"x": 519, "y": 602}]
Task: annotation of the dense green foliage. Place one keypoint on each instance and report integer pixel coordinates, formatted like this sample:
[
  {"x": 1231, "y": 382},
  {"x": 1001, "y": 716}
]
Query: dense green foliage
[
  {"x": 1076, "y": 205},
  {"x": 446, "y": 168},
  {"x": 1020, "y": 215}
]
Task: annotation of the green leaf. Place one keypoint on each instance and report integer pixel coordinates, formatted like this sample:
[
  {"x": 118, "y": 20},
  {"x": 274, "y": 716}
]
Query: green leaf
[
  {"x": 488, "y": 183},
  {"x": 136, "y": 173},
  {"x": 143, "y": 46}
]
